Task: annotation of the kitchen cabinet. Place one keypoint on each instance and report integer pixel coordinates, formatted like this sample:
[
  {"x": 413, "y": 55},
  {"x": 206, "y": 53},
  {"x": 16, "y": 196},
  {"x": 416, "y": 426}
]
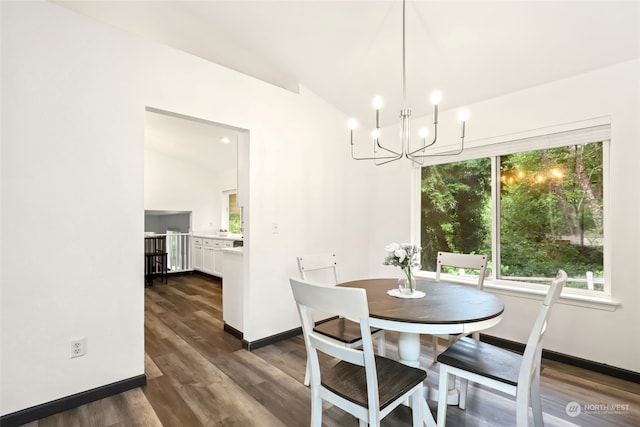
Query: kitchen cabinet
[
  {"x": 208, "y": 254},
  {"x": 197, "y": 254}
]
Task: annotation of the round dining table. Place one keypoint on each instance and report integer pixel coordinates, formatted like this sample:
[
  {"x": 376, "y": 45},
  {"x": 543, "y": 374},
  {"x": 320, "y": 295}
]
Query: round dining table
[{"x": 446, "y": 308}]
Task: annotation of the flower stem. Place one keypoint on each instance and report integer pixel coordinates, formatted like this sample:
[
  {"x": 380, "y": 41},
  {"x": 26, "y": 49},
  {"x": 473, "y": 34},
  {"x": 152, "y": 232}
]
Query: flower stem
[{"x": 409, "y": 274}]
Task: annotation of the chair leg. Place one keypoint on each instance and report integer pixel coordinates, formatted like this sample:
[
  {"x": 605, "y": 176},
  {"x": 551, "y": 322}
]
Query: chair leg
[
  {"x": 316, "y": 409},
  {"x": 536, "y": 404},
  {"x": 523, "y": 399},
  {"x": 417, "y": 401},
  {"x": 381, "y": 345},
  {"x": 435, "y": 347},
  {"x": 443, "y": 388},
  {"x": 462, "y": 400},
  {"x": 307, "y": 374}
]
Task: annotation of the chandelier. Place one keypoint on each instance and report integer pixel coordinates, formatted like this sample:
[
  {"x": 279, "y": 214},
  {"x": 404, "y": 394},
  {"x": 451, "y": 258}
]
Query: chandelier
[{"x": 382, "y": 154}]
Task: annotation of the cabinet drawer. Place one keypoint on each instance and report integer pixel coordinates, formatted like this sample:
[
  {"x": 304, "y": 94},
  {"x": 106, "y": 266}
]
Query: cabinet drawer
[
  {"x": 218, "y": 243},
  {"x": 208, "y": 242},
  {"x": 197, "y": 241},
  {"x": 228, "y": 244}
]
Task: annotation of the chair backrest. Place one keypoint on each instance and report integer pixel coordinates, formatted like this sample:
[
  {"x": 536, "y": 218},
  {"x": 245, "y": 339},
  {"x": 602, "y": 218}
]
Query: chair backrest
[
  {"x": 323, "y": 268},
  {"x": 530, "y": 367},
  {"x": 472, "y": 261},
  {"x": 346, "y": 302}
]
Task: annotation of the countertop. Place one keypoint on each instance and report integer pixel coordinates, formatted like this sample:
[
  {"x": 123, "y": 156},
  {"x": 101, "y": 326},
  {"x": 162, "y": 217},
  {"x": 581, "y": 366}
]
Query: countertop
[
  {"x": 215, "y": 236},
  {"x": 236, "y": 251}
]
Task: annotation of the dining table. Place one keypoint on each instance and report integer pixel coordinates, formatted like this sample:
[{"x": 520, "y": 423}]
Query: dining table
[{"x": 446, "y": 308}]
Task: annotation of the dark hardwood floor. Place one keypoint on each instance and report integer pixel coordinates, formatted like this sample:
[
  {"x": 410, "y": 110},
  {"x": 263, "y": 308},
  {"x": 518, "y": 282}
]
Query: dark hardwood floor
[{"x": 199, "y": 375}]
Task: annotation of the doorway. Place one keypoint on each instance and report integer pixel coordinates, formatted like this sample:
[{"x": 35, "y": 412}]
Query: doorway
[{"x": 191, "y": 165}]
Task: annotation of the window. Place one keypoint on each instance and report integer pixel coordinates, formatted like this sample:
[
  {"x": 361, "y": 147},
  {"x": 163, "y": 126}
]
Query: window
[
  {"x": 231, "y": 218},
  {"x": 533, "y": 206}
]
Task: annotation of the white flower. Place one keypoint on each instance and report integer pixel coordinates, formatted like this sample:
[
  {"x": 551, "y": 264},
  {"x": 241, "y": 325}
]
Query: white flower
[
  {"x": 392, "y": 247},
  {"x": 401, "y": 254},
  {"x": 405, "y": 255}
]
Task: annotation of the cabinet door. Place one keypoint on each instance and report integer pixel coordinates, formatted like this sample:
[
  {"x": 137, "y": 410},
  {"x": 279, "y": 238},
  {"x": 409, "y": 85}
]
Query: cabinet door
[
  {"x": 208, "y": 261},
  {"x": 217, "y": 264},
  {"x": 197, "y": 258}
]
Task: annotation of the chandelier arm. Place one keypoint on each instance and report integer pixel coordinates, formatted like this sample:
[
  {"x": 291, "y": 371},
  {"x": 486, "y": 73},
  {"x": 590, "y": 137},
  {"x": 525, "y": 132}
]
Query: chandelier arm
[
  {"x": 418, "y": 162},
  {"x": 395, "y": 156},
  {"x": 395, "y": 153},
  {"x": 448, "y": 153},
  {"x": 387, "y": 161},
  {"x": 424, "y": 147}
]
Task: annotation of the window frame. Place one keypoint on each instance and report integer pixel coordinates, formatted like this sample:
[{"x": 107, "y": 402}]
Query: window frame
[
  {"x": 226, "y": 209},
  {"x": 593, "y": 131}
]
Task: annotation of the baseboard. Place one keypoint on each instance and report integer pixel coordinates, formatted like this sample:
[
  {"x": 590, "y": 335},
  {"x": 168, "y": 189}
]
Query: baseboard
[
  {"x": 69, "y": 402},
  {"x": 207, "y": 275},
  {"x": 602, "y": 368},
  {"x": 233, "y": 331},
  {"x": 254, "y": 345}
]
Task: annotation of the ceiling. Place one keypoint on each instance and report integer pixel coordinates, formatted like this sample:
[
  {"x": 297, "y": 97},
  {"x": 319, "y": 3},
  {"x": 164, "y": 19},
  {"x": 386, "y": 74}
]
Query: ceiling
[
  {"x": 349, "y": 51},
  {"x": 192, "y": 140}
]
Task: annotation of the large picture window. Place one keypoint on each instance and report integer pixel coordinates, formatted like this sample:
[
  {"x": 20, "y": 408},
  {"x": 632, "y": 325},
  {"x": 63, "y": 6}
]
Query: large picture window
[{"x": 546, "y": 212}]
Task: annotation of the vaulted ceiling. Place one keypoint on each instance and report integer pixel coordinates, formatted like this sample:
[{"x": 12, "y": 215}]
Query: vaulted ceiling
[{"x": 348, "y": 51}]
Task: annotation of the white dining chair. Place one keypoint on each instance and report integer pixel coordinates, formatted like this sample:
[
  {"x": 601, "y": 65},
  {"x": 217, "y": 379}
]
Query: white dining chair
[
  {"x": 465, "y": 261},
  {"x": 322, "y": 269},
  {"x": 361, "y": 383},
  {"x": 512, "y": 373}
]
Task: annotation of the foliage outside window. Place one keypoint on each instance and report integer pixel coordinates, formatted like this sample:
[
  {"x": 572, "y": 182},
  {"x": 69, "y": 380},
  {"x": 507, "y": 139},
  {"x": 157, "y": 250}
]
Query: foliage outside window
[
  {"x": 234, "y": 214},
  {"x": 550, "y": 215},
  {"x": 231, "y": 212}
]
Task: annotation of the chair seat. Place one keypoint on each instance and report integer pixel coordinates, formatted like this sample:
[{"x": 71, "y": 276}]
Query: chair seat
[
  {"x": 342, "y": 330},
  {"x": 483, "y": 359},
  {"x": 394, "y": 379}
]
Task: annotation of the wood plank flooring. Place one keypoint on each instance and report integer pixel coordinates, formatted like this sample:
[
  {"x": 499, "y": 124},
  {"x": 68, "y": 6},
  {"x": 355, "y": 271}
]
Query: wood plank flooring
[{"x": 198, "y": 375}]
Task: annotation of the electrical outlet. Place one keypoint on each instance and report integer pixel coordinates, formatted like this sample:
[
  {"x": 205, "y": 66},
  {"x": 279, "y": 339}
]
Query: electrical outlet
[{"x": 78, "y": 347}]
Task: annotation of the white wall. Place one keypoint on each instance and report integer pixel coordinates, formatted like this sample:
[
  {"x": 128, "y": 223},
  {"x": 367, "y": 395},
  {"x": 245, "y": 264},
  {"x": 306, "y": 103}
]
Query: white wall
[
  {"x": 73, "y": 105},
  {"x": 613, "y": 92},
  {"x": 171, "y": 183}
]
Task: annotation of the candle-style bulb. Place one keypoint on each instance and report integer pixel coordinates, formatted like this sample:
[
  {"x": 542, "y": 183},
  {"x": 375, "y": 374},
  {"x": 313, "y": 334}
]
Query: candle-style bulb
[
  {"x": 375, "y": 133},
  {"x": 423, "y": 133},
  {"x": 463, "y": 115},
  {"x": 352, "y": 123},
  {"x": 436, "y": 97},
  {"x": 377, "y": 102}
]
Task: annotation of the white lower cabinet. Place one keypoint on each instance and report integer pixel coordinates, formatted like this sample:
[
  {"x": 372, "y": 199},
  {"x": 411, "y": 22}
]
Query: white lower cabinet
[
  {"x": 208, "y": 260},
  {"x": 197, "y": 254},
  {"x": 207, "y": 255}
]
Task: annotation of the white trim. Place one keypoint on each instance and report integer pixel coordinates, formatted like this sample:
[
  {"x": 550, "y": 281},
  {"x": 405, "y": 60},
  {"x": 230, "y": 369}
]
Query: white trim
[
  {"x": 584, "y": 131},
  {"x": 587, "y": 301},
  {"x": 569, "y": 296}
]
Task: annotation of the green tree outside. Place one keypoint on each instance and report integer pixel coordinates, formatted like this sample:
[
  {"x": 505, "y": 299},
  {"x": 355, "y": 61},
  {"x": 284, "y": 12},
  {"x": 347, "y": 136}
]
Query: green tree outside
[{"x": 551, "y": 211}]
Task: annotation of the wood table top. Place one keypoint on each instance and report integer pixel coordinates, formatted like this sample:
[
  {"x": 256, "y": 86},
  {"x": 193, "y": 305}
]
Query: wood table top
[{"x": 444, "y": 302}]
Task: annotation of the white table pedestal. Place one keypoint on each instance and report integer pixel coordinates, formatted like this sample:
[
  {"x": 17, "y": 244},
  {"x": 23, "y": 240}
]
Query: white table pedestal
[{"x": 409, "y": 354}]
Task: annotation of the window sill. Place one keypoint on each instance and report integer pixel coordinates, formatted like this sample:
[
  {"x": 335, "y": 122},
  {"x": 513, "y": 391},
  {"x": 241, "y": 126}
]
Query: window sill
[{"x": 502, "y": 288}]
